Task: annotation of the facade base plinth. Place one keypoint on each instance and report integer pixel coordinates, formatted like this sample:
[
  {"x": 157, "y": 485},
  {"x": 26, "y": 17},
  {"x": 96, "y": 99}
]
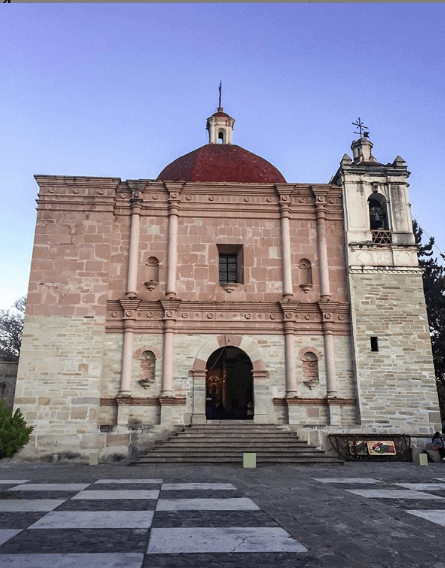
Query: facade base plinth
[
  {"x": 199, "y": 419},
  {"x": 334, "y": 414},
  {"x": 262, "y": 419},
  {"x": 123, "y": 415},
  {"x": 296, "y": 414}
]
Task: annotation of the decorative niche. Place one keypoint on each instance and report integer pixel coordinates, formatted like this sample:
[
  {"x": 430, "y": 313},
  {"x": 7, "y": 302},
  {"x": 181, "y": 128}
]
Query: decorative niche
[
  {"x": 151, "y": 273},
  {"x": 309, "y": 357},
  {"x": 305, "y": 267},
  {"x": 148, "y": 369}
]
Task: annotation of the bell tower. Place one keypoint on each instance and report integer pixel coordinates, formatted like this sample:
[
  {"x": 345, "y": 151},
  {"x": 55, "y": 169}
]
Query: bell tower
[{"x": 390, "y": 336}]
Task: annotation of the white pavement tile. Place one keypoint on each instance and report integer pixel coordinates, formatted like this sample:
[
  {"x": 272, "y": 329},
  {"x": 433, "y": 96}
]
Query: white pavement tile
[
  {"x": 194, "y": 486},
  {"x": 423, "y": 486},
  {"x": 50, "y": 487},
  {"x": 235, "y": 539},
  {"x": 29, "y": 505},
  {"x": 13, "y": 481},
  {"x": 235, "y": 504},
  {"x": 118, "y": 481},
  {"x": 393, "y": 494},
  {"x": 118, "y": 494},
  {"x": 437, "y": 517},
  {"x": 366, "y": 480},
  {"x": 6, "y": 534},
  {"x": 95, "y": 520},
  {"x": 105, "y": 560}
]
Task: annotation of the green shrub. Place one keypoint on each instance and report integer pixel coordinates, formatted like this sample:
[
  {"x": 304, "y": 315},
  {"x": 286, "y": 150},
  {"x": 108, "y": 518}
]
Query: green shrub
[{"x": 14, "y": 433}]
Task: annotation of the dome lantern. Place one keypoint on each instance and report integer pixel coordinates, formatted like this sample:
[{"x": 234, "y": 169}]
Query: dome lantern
[{"x": 220, "y": 125}]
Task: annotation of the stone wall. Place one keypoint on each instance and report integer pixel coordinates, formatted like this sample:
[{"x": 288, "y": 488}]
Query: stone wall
[
  {"x": 58, "y": 382},
  {"x": 8, "y": 378},
  {"x": 396, "y": 384}
]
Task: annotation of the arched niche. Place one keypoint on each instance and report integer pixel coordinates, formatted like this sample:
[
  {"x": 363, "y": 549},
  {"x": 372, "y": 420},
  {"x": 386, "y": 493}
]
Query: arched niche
[{"x": 378, "y": 212}]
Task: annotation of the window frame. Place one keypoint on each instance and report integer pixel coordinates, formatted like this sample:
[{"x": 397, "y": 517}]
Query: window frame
[{"x": 234, "y": 252}]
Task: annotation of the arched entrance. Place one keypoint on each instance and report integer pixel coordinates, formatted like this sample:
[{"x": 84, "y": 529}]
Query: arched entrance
[{"x": 229, "y": 385}]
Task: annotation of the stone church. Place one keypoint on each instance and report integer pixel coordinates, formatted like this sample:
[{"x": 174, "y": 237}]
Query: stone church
[{"x": 219, "y": 291}]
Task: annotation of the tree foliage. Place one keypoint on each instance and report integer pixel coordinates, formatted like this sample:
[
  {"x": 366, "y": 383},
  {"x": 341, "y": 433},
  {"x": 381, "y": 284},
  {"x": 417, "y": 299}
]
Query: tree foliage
[
  {"x": 434, "y": 288},
  {"x": 14, "y": 433},
  {"x": 11, "y": 328}
]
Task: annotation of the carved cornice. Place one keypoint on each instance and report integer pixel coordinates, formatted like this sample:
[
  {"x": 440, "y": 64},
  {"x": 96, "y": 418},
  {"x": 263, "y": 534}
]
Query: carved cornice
[
  {"x": 170, "y": 305},
  {"x": 225, "y": 317},
  {"x": 129, "y": 305}
]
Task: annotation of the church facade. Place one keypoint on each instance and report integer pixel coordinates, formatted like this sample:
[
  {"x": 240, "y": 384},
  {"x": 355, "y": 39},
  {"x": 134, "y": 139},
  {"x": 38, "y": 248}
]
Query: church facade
[{"x": 219, "y": 291}]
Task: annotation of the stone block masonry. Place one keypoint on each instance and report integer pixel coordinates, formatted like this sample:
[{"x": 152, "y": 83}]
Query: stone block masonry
[
  {"x": 395, "y": 374},
  {"x": 58, "y": 386}
]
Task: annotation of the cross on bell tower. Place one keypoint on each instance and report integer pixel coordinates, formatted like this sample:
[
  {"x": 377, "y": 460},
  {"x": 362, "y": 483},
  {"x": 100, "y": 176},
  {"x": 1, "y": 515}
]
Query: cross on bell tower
[{"x": 362, "y": 148}]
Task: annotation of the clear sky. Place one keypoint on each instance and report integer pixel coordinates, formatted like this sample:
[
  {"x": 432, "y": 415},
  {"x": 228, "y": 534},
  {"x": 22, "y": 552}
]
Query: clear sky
[{"x": 121, "y": 90}]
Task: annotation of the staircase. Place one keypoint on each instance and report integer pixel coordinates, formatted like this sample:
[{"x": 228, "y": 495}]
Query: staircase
[{"x": 225, "y": 442}]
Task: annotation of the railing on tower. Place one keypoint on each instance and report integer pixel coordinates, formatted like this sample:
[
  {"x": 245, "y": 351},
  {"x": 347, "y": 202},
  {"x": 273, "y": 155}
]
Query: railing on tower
[{"x": 381, "y": 237}]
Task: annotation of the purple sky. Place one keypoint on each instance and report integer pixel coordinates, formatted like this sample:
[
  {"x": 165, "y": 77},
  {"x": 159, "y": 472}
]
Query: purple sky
[{"x": 121, "y": 90}]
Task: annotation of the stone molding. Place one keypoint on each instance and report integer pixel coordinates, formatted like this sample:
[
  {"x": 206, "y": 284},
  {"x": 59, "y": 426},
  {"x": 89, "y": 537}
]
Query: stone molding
[
  {"x": 227, "y": 317},
  {"x": 309, "y": 349},
  {"x": 156, "y": 197},
  {"x": 172, "y": 400},
  {"x": 385, "y": 269},
  {"x": 248, "y": 345},
  {"x": 147, "y": 347},
  {"x": 296, "y": 401},
  {"x": 129, "y": 401}
]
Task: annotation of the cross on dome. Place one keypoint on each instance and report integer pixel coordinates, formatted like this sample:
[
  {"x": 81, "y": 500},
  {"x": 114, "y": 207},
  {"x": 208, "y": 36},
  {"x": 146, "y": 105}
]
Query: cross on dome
[{"x": 220, "y": 125}]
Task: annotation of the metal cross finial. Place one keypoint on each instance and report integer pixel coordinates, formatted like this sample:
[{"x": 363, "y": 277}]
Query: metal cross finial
[
  {"x": 220, "y": 87},
  {"x": 359, "y": 124}
]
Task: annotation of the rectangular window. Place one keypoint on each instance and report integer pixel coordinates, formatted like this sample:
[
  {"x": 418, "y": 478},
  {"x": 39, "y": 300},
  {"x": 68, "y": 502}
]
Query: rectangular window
[
  {"x": 230, "y": 264},
  {"x": 228, "y": 268},
  {"x": 374, "y": 343}
]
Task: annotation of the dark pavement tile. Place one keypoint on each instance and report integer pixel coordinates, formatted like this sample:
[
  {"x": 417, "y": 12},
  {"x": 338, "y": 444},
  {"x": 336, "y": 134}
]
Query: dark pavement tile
[{"x": 62, "y": 541}]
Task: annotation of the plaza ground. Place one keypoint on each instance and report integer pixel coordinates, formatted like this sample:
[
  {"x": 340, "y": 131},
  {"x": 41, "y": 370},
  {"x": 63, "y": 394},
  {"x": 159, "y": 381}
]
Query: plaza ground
[{"x": 356, "y": 515}]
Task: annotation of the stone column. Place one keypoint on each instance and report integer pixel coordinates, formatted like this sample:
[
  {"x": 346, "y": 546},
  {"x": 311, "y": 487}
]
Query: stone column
[
  {"x": 170, "y": 307},
  {"x": 127, "y": 354},
  {"x": 289, "y": 354},
  {"x": 328, "y": 309},
  {"x": 133, "y": 255},
  {"x": 172, "y": 246},
  {"x": 326, "y": 306},
  {"x": 168, "y": 358},
  {"x": 285, "y": 246},
  {"x": 123, "y": 398},
  {"x": 320, "y": 208},
  {"x": 129, "y": 305}
]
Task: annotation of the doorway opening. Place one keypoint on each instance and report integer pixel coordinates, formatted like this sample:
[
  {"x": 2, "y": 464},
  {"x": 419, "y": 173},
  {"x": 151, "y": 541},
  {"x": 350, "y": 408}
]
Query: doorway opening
[{"x": 229, "y": 385}]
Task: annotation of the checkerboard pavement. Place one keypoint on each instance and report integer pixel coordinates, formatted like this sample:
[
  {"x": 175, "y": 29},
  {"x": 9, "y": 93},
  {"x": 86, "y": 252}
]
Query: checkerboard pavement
[
  {"x": 134, "y": 523},
  {"x": 427, "y": 497}
]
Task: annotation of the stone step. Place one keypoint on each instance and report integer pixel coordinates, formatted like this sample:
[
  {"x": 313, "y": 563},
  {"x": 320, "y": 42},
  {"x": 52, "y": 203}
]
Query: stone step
[
  {"x": 233, "y": 444},
  {"x": 231, "y": 451},
  {"x": 226, "y": 443},
  {"x": 261, "y": 460},
  {"x": 268, "y": 439}
]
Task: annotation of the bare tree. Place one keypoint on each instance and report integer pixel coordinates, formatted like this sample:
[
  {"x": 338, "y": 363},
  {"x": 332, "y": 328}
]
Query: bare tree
[{"x": 11, "y": 328}]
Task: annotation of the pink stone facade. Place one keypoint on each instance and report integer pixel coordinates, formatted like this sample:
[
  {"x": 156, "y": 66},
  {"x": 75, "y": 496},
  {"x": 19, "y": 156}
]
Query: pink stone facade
[{"x": 127, "y": 313}]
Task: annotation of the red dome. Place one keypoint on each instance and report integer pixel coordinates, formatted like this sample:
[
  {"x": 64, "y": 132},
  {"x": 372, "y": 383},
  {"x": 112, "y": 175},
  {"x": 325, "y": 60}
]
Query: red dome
[{"x": 222, "y": 162}]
